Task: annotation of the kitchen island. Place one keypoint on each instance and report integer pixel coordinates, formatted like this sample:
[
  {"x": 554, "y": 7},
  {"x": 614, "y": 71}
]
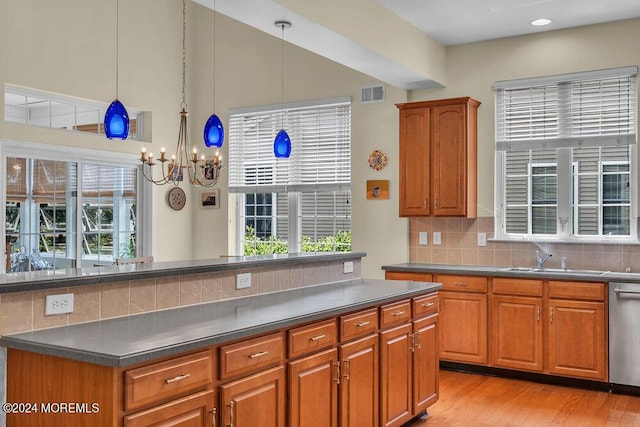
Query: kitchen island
[{"x": 228, "y": 360}]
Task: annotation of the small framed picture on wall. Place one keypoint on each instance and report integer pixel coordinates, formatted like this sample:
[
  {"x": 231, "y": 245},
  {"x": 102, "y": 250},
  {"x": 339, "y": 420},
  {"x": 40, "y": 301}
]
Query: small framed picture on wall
[{"x": 210, "y": 199}]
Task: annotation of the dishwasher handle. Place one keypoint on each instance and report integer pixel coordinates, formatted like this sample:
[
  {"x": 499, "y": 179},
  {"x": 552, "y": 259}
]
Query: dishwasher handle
[{"x": 623, "y": 291}]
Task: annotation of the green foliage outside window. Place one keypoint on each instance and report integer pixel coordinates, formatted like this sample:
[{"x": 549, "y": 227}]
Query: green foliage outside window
[{"x": 253, "y": 245}]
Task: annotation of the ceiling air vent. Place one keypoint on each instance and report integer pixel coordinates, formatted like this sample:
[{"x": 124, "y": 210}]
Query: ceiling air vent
[{"x": 371, "y": 94}]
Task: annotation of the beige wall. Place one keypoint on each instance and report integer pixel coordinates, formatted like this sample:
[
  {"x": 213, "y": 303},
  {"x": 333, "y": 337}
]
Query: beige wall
[{"x": 68, "y": 47}]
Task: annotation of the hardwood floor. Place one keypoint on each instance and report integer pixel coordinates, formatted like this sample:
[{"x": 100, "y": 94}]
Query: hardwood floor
[{"x": 478, "y": 400}]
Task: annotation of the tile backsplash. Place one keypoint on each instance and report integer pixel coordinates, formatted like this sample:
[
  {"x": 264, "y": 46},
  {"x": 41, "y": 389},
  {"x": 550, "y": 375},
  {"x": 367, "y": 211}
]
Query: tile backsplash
[
  {"x": 459, "y": 246},
  {"x": 24, "y": 311}
]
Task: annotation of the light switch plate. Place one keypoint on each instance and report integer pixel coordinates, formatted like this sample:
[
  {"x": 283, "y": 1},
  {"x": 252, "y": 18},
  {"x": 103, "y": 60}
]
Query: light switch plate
[
  {"x": 482, "y": 239},
  {"x": 423, "y": 238},
  {"x": 437, "y": 238},
  {"x": 243, "y": 280},
  {"x": 347, "y": 267}
]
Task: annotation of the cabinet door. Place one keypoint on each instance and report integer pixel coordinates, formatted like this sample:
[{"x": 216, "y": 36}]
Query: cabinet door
[
  {"x": 359, "y": 383},
  {"x": 425, "y": 363},
  {"x": 463, "y": 327},
  {"x": 396, "y": 375},
  {"x": 255, "y": 401},
  {"x": 195, "y": 410},
  {"x": 449, "y": 160},
  {"x": 313, "y": 390},
  {"x": 516, "y": 332},
  {"x": 577, "y": 340},
  {"x": 415, "y": 162}
]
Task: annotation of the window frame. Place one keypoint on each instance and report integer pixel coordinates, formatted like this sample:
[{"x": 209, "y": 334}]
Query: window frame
[
  {"x": 563, "y": 143},
  {"x": 80, "y": 156},
  {"x": 273, "y": 184}
]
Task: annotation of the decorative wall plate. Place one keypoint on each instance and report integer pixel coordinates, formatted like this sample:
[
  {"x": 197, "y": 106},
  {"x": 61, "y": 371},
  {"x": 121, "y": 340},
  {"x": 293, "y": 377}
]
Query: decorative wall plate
[
  {"x": 377, "y": 160},
  {"x": 176, "y": 198}
]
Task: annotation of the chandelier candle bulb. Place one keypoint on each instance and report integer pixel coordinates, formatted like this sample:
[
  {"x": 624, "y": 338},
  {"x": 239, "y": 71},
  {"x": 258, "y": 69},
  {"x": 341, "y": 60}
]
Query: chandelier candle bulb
[{"x": 163, "y": 155}]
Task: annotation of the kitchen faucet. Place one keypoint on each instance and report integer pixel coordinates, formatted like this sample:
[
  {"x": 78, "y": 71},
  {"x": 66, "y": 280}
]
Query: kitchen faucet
[{"x": 540, "y": 260}]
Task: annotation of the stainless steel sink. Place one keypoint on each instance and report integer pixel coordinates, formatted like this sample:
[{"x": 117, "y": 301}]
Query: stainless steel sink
[{"x": 576, "y": 272}]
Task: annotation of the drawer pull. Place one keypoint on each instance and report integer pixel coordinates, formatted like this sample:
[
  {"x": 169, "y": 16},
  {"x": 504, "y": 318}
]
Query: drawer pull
[
  {"x": 460, "y": 283},
  {"x": 361, "y": 324},
  {"x": 428, "y": 305},
  {"x": 398, "y": 313},
  {"x": 317, "y": 337},
  {"x": 260, "y": 354},
  {"x": 178, "y": 378}
]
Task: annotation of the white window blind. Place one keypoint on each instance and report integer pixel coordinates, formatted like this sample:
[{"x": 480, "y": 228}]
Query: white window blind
[
  {"x": 596, "y": 108},
  {"x": 565, "y": 155},
  {"x": 320, "y": 155}
]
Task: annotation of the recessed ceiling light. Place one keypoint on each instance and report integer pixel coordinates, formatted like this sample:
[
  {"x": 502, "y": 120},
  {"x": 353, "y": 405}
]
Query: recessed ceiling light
[{"x": 540, "y": 22}]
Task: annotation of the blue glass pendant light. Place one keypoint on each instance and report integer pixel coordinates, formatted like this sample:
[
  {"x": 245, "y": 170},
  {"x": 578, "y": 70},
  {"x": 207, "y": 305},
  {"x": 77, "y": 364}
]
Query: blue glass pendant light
[
  {"x": 213, "y": 132},
  {"x": 116, "y": 119},
  {"x": 282, "y": 143},
  {"x": 213, "y": 129}
]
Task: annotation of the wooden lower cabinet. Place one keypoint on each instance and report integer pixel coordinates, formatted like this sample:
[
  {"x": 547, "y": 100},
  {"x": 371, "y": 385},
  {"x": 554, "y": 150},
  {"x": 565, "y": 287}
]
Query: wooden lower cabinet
[
  {"x": 191, "y": 411},
  {"x": 396, "y": 375},
  {"x": 313, "y": 390},
  {"x": 516, "y": 332},
  {"x": 463, "y": 327},
  {"x": 359, "y": 383},
  {"x": 426, "y": 364},
  {"x": 255, "y": 401},
  {"x": 577, "y": 337}
]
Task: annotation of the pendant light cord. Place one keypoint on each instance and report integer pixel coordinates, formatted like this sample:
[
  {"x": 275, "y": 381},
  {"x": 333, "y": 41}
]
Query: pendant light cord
[
  {"x": 214, "y": 57},
  {"x": 282, "y": 81},
  {"x": 184, "y": 53},
  {"x": 117, "y": 42}
]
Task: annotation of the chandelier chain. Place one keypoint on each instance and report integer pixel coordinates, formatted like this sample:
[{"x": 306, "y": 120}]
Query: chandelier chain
[{"x": 184, "y": 54}]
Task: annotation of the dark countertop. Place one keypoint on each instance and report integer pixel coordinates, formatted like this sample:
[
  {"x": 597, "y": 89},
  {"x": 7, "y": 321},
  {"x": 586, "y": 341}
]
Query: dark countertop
[
  {"x": 47, "y": 279},
  {"x": 137, "y": 338},
  {"x": 556, "y": 274}
]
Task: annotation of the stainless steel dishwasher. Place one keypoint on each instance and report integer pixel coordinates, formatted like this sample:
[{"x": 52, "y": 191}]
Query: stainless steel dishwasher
[{"x": 624, "y": 334}]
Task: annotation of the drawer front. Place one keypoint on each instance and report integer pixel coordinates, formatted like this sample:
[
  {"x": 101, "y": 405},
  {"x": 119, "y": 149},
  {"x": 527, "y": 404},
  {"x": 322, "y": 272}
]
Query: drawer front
[
  {"x": 408, "y": 275},
  {"x": 167, "y": 380},
  {"x": 517, "y": 287},
  {"x": 577, "y": 290},
  {"x": 462, "y": 283},
  {"x": 358, "y": 324},
  {"x": 426, "y": 305},
  {"x": 395, "y": 314},
  {"x": 251, "y": 355},
  {"x": 307, "y": 339}
]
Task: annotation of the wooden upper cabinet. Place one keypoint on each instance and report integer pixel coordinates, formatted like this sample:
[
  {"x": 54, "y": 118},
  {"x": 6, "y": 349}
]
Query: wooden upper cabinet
[{"x": 438, "y": 158}]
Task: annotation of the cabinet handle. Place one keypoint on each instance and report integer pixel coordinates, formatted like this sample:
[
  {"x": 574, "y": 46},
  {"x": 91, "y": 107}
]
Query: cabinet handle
[
  {"x": 412, "y": 342},
  {"x": 337, "y": 378},
  {"x": 213, "y": 413},
  {"x": 347, "y": 369},
  {"x": 438, "y": 306},
  {"x": 317, "y": 337},
  {"x": 426, "y": 204},
  {"x": 538, "y": 313},
  {"x": 551, "y": 315},
  {"x": 428, "y": 305},
  {"x": 435, "y": 204},
  {"x": 398, "y": 313},
  {"x": 361, "y": 324},
  {"x": 417, "y": 340},
  {"x": 259, "y": 354},
  {"x": 460, "y": 284},
  {"x": 230, "y": 405},
  {"x": 178, "y": 378}
]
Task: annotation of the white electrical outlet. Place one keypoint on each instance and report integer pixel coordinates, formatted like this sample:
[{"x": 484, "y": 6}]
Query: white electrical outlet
[
  {"x": 482, "y": 239},
  {"x": 348, "y": 267},
  {"x": 423, "y": 238},
  {"x": 437, "y": 238},
  {"x": 58, "y": 304},
  {"x": 243, "y": 280}
]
